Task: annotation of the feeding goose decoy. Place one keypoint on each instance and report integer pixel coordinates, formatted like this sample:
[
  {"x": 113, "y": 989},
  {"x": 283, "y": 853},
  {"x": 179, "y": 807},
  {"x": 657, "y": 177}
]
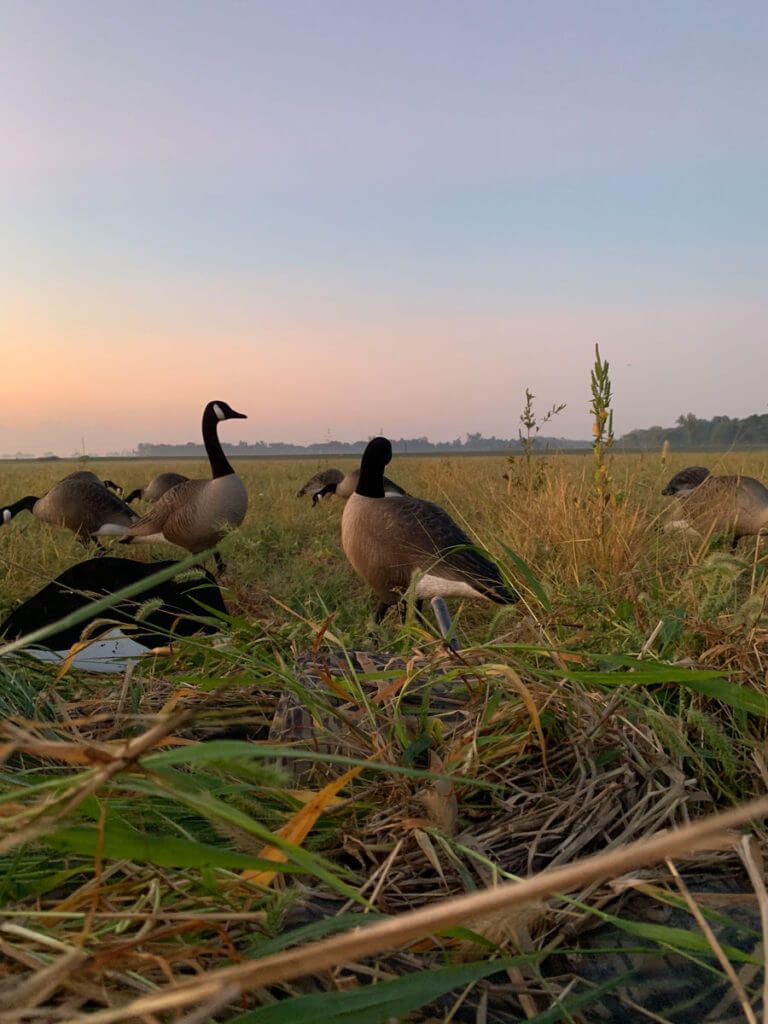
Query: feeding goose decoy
[
  {"x": 320, "y": 484},
  {"x": 157, "y": 487},
  {"x": 731, "y": 504},
  {"x": 387, "y": 541},
  {"x": 86, "y": 474},
  {"x": 686, "y": 480},
  {"x": 180, "y": 607},
  {"x": 333, "y": 481},
  {"x": 196, "y": 514},
  {"x": 81, "y": 503}
]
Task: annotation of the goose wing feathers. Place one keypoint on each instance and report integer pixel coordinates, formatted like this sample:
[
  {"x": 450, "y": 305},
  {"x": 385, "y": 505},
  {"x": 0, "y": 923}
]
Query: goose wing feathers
[
  {"x": 163, "y": 482},
  {"x": 175, "y": 508},
  {"x": 425, "y": 537},
  {"x": 195, "y": 515},
  {"x": 82, "y": 503}
]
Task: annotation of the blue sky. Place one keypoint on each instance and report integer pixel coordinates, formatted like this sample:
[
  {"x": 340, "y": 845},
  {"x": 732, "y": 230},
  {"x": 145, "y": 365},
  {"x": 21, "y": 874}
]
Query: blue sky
[{"x": 343, "y": 216}]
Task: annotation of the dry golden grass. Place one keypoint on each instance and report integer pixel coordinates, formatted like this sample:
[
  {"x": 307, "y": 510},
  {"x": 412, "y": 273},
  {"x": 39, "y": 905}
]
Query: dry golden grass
[{"x": 532, "y": 765}]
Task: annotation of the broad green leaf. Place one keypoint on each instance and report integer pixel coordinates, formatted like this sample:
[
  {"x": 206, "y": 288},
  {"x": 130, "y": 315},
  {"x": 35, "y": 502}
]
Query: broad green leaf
[
  {"x": 680, "y": 938},
  {"x": 711, "y": 684},
  {"x": 165, "y": 851},
  {"x": 224, "y": 750},
  {"x": 373, "y": 1004}
]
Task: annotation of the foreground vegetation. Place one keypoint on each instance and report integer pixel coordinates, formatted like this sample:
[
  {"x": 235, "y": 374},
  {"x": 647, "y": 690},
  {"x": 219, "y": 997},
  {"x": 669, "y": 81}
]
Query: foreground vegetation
[{"x": 626, "y": 693}]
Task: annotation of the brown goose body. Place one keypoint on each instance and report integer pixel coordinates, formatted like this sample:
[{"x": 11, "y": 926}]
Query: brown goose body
[
  {"x": 387, "y": 541},
  {"x": 81, "y": 503},
  {"x": 157, "y": 486},
  {"x": 730, "y": 504},
  {"x": 196, "y": 514}
]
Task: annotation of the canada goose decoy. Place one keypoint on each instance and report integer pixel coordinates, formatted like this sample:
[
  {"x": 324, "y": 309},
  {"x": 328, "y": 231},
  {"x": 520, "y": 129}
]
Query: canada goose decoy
[
  {"x": 198, "y": 513},
  {"x": 320, "y": 484},
  {"x": 731, "y": 504},
  {"x": 387, "y": 541},
  {"x": 157, "y": 487},
  {"x": 182, "y": 605},
  {"x": 333, "y": 481},
  {"x": 81, "y": 503},
  {"x": 686, "y": 480},
  {"x": 86, "y": 474}
]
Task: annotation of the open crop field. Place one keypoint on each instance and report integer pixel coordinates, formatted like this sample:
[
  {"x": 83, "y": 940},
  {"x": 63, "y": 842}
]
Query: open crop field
[{"x": 160, "y": 859}]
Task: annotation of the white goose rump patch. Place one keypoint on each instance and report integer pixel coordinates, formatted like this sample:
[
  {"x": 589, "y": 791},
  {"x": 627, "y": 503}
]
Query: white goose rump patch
[{"x": 429, "y": 586}]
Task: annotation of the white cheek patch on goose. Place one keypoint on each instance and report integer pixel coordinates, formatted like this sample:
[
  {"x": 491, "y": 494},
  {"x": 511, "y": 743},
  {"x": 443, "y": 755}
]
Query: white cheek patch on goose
[
  {"x": 220, "y": 414},
  {"x": 7, "y": 517}
]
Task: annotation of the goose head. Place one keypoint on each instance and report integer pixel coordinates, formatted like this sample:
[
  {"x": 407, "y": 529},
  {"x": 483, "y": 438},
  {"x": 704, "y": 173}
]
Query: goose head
[
  {"x": 686, "y": 480},
  {"x": 223, "y": 411},
  {"x": 7, "y": 512}
]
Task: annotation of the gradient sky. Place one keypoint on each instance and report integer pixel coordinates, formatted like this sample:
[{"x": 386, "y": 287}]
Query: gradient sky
[{"x": 347, "y": 217}]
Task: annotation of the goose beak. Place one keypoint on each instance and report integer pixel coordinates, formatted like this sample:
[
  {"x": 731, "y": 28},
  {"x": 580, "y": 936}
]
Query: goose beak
[
  {"x": 667, "y": 490},
  {"x": 237, "y": 416}
]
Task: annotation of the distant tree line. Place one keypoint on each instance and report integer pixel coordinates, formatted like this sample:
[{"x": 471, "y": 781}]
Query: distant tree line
[
  {"x": 472, "y": 443},
  {"x": 691, "y": 432}
]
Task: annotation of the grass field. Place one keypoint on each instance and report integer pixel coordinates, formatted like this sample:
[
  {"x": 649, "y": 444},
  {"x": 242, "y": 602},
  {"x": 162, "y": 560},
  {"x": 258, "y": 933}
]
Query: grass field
[{"x": 626, "y": 693}]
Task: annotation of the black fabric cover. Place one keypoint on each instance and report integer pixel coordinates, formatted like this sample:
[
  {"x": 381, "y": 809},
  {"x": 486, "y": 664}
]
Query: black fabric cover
[{"x": 96, "y": 577}]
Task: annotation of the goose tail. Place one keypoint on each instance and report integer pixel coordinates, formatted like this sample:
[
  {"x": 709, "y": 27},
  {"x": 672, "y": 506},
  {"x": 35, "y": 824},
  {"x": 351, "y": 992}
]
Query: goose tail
[{"x": 499, "y": 593}]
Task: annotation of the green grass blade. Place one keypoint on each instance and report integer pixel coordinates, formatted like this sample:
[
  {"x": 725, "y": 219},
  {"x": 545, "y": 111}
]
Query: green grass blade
[
  {"x": 163, "y": 851},
  {"x": 569, "y": 1006},
  {"x": 372, "y": 1004},
  {"x": 528, "y": 575},
  {"x": 710, "y": 684}
]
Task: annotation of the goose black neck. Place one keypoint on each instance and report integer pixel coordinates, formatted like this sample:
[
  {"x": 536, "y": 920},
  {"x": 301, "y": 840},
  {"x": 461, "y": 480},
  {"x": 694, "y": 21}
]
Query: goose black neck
[
  {"x": 375, "y": 458},
  {"x": 216, "y": 456},
  {"x": 23, "y": 504}
]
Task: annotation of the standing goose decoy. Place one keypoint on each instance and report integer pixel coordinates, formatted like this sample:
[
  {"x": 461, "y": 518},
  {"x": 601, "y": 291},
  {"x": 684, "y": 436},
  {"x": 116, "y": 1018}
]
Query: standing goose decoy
[
  {"x": 196, "y": 514},
  {"x": 180, "y": 607},
  {"x": 333, "y": 481},
  {"x": 157, "y": 487},
  {"x": 387, "y": 541},
  {"x": 81, "y": 503},
  {"x": 731, "y": 504}
]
